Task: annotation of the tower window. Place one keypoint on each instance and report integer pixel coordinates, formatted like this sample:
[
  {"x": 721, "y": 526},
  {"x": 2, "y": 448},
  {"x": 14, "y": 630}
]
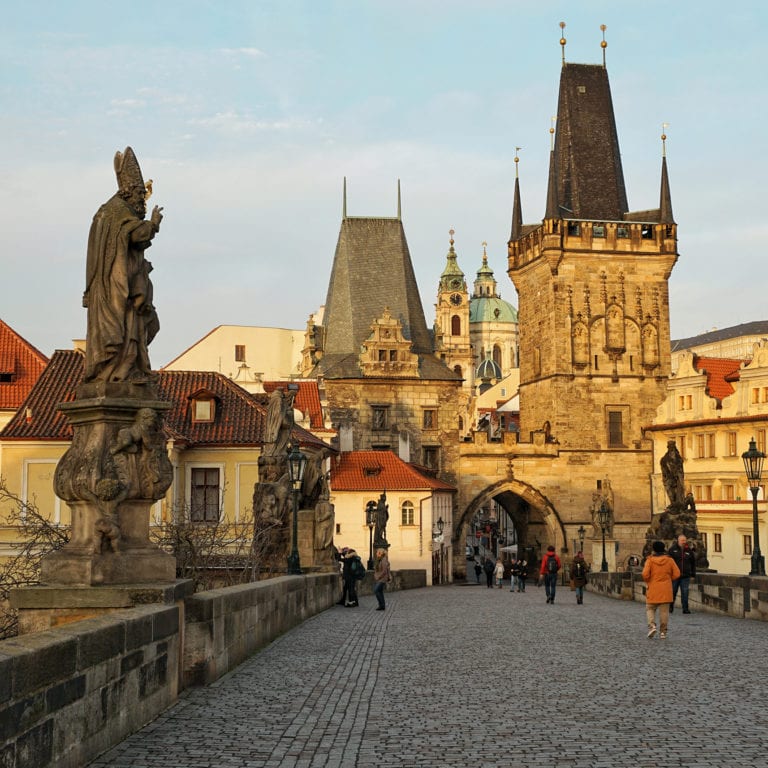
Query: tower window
[
  {"x": 455, "y": 325},
  {"x": 239, "y": 353},
  {"x": 379, "y": 417},
  {"x": 598, "y": 230},
  {"x": 406, "y": 513},
  {"x": 622, "y": 232},
  {"x": 429, "y": 418},
  {"x": 615, "y": 433},
  {"x": 574, "y": 228}
]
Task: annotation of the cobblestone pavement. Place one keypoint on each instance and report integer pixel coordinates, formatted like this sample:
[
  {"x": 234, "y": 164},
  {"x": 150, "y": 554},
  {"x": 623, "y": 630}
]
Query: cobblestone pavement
[{"x": 473, "y": 677}]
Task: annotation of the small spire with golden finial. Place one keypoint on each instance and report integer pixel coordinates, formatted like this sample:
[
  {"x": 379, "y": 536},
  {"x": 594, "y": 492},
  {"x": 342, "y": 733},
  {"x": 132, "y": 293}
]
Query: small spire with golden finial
[
  {"x": 553, "y": 120},
  {"x": 603, "y": 44},
  {"x": 562, "y": 38},
  {"x": 451, "y": 232},
  {"x": 664, "y": 127},
  {"x": 485, "y": 252},
  {"x": 517, "y": 160}
]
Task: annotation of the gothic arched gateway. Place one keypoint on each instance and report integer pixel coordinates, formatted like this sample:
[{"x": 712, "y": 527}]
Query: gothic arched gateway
[{"x": 531, "y": 514}]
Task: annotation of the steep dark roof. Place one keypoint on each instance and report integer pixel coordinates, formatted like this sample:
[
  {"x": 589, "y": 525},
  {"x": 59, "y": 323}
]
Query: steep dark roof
[
  {"x": 754, "y": 328},
  {"x": 588, "y": 176},
  {"x": 239, "y": 418},
  {"x": 372, "y": 270}
]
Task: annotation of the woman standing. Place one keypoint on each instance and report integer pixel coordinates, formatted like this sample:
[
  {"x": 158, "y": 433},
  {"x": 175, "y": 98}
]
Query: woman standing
[
  {"x": 659, "y": 572},
  {"x": 381, "y": 575},
  {"x": 498, "y": 572}
]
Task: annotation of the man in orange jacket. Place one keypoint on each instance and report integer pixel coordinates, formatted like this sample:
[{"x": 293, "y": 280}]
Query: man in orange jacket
[{"x": 550, "y": 566}]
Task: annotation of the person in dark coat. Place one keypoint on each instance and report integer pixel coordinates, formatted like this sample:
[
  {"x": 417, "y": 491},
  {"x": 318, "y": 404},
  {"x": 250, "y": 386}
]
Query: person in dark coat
[
  {"x": 579, "y": 569},
  {"x": 348, "y": 577},
  {"x": 685, "y": 560},
  {"x": 478, "y": 571},
  {"x": 489, "y": 568}
]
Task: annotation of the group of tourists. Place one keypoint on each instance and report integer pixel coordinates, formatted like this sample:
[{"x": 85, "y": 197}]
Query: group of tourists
[{"x": 352, "y": 570}]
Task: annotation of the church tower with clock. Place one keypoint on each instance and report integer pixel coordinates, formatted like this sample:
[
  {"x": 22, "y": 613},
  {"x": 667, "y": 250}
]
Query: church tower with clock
[{"x": 452, "y": 343}]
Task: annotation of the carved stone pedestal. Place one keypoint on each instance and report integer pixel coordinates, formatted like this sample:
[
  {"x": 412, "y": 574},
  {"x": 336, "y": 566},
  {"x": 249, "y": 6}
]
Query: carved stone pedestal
[{"x": 115, "y": 469}]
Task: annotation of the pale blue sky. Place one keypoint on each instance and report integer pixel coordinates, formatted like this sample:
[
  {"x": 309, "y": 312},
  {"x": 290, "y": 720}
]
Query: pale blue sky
[{"x": 247, "y": 116}]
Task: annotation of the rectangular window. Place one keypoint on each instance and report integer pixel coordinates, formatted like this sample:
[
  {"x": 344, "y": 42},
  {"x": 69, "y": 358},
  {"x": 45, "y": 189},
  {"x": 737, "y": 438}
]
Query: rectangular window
[
  {"x": 728, "y": 492},
  {"x": 407, "y": 513},
  {"x": 700, "y": 446},
  {"x": 392, "y": 355},
  {"x": 239, "y": 353},
  {"x": 431, "y": 456},
  {"x": 681, "y": 445},
  {"x": 574, "y": 228},
  {"x": 711, "y": 445},
  {"x": 6, "y": 378},
  {"x": 429, "y": 418},
  {"x": 764, "y": 393},
  {"x": 754, "y": 395},
  {"x": 382, "y": 355},
  {"x": 598, "y": 230},
  {"x": 718, "y": 542},
  {"x": 204, "y": 500},
  {"x": 707, "y": 493},
  {"x": 747, "y": 547},
  {"x": 202, "y": 411},
  {"x": 622, "y": 232},
  {"x": 615, "y": 435},
  {"x": 379, "y": 417},
  {"x": 704, "y": 540},
  {"x": 760, "y": 439},
  {"x": 731, "y": 444}
]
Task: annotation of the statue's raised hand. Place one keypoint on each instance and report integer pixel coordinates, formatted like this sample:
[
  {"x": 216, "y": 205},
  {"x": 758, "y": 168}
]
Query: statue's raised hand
[{"x": 156, "y": 216}]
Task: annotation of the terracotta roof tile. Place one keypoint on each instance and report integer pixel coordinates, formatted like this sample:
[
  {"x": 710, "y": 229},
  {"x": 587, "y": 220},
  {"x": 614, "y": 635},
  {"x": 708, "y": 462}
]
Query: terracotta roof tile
[
  {"x": 239, "y": 418},
  {"x": 22, "y": 363},
  {"x": 378, "y": 471},
  {"x": 720, "y": 372}
]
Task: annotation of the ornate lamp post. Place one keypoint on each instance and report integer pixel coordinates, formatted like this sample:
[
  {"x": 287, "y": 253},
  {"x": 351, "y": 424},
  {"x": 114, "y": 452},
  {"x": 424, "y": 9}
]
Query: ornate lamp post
[
  {"x": 753, "y": 466},
  {"x": 582, "y": 532},
  {"x": 297, "y": 463},
  {"x": 370, "y": 521},
  {"x": 603, "y": 518},
  {"x": 439, "y": 525}
]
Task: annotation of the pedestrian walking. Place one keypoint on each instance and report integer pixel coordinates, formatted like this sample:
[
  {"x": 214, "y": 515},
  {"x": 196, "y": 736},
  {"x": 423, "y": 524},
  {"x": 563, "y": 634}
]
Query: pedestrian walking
[
  {"x": 478, "y": 570},
  {"x": 498, "y": 572},
  {"x": 685, "y": 559},
  {"x": 522, "y": 574},
  {"x": 381, "y": 576},
  {"x": 550, "y": 566},
  {"x": 579, "y": 569},
  {"x": 659, "y": 572},
  {"x": 489, "y": 568},
  {"x": 512, "y": 573}
]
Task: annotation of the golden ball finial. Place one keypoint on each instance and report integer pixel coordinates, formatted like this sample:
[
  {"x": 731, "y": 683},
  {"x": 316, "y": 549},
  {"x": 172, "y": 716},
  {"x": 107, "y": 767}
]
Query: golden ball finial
[
  {"x": 603, "y": 44},
  {"x": 563, "y": 41},
  {"x": 663, "y": 136}
]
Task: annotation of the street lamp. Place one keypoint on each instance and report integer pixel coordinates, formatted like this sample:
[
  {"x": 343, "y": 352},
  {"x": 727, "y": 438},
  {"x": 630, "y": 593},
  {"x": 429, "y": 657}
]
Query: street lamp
[
  {"x": 439, "y": 525},
  {"x": 582, "y": 532},
  {"x": 603, "y": 518},
  {"x": 370, "y": 521},
  {"x": 753, "y": 466},
  {"x": 297, "y": 463}
]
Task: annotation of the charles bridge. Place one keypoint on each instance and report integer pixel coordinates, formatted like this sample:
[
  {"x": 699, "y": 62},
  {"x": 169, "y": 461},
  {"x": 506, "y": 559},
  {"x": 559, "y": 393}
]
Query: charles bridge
[{"x": 274, "y": 674}]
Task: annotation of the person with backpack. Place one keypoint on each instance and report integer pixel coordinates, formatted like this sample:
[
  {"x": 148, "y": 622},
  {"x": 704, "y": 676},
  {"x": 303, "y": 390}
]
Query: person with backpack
[
  {"x": 579, "y": 569},
  {"x": 512, "y": 573},
  {"x": 353, "y": 571},
  {"x": 489, "y": 568},
  {"x": 478, "y": 571},
  {"x": 550, "y": 565}
]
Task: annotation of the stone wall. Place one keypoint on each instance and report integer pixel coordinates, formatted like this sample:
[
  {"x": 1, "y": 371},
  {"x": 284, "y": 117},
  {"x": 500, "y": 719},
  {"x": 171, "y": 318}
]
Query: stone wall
[
  {"x": 743, "y": 597},
  {"x": 72, "y": 692}
]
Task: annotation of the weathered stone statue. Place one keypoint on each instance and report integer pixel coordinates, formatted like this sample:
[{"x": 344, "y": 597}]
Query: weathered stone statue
[
  {"x": 324, "y": 523},
  {"x": 672, "y": 474},
  {"x": 118, "y": 292},
  {"x": 117, "y": 465},
  {"x": 279, "y": 423},
  {"x": 382, "y": 516}
]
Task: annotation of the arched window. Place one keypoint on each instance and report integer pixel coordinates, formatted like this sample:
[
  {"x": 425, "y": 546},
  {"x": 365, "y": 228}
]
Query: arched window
[
  {"x": 455, "y": 325},
  {"x": 406, "y": 513},
  {"x": 457, "y": 369},
  {"x": 497, "y": 355}
]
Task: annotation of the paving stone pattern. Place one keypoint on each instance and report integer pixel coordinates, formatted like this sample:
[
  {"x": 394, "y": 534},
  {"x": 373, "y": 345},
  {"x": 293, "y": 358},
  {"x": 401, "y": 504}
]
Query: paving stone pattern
[{"x": 473, "y": 677}]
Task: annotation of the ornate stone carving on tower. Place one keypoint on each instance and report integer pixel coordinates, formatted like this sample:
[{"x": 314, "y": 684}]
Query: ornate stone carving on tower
[{"x": 117, "y": 465}]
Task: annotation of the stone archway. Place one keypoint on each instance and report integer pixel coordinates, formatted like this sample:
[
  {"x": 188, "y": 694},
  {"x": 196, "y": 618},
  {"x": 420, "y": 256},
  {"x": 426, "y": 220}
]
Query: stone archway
[{"x": 533, "y": 515}]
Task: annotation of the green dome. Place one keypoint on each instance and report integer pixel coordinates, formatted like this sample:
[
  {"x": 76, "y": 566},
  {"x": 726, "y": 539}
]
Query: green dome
[
  {"x": 488, "y": 369},
  {"x": 491, "y": 309}
]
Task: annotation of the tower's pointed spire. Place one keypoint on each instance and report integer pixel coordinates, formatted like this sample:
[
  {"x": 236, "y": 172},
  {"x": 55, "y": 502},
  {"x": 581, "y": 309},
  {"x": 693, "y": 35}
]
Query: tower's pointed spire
[
  {"x": 517, "y": 210},
  {"x": 553, "y": 207},
  {"x": 665, "y": 201},
  {"x": 562, "y": 40},
  {"x": 399, "y": 205},
  {"x": 344, "y": 200}
]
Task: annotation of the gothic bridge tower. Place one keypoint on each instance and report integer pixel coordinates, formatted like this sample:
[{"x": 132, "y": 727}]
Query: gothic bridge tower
[{"x": 592, "y": 281}]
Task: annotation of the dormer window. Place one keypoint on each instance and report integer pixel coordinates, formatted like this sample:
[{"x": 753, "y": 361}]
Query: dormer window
[{"x": 203, "y": 407}]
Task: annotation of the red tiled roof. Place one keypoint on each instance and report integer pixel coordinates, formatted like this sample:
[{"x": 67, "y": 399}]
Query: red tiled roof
[
  {"x": 378, "y": 471},
  {"x": 721, "y": 371},
  {"x": 239, "y": 418},
  {"x": 24, "y": 362},
  {"x": 307, "y": 400}
]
